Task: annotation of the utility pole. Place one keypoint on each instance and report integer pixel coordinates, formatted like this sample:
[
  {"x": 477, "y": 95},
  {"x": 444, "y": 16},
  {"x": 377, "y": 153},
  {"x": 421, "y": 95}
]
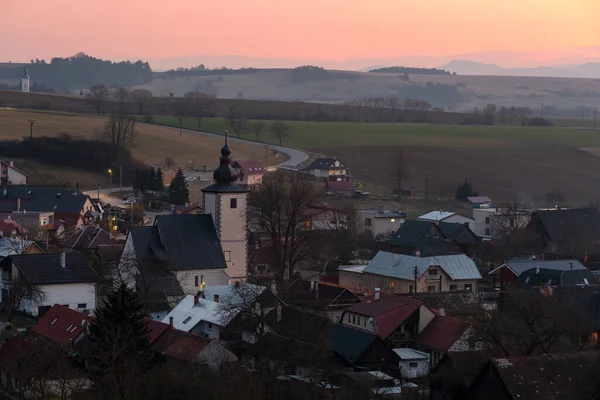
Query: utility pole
[
  {"x": 31, "y": 122},
  {"x": 416, "y": 278}
]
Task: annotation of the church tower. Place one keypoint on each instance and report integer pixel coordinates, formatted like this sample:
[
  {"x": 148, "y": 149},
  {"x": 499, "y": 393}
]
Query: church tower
[
  {"x": 227, "y": 203},
  {"x": 25, "y": 81}
]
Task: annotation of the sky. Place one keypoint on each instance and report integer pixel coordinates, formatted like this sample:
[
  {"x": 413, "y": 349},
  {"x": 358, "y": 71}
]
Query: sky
[{"x": 342, "y": 32}]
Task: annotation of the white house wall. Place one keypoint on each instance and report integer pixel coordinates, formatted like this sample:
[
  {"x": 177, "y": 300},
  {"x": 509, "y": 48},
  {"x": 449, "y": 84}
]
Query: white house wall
[
  {"x": 16, "y": 178},
  {"x": 70, "y": 295},
  {"x": 459, "y": 219},
  {"x": 233, "y": 233},
  {"x": 210, "y": 277}
]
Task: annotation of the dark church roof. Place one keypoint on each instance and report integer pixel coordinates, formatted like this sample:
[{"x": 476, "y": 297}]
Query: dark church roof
[{"x": 186, "y": 242}]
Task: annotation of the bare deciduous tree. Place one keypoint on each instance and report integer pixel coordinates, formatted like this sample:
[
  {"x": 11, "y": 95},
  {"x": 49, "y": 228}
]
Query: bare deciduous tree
[
  {"x": 99, "y": 93},
  {"x": 118, "y": 131},
  {"x": 278, "y": 210},
  {"x": 257, "y": 128},
  {"x": 19, "y": 293},
  {"x": 280, "y": 130},
  {"x": 141, "y": 97},
  {"x": 400, "y": 170},
  {"x": 236, "y": 121}
]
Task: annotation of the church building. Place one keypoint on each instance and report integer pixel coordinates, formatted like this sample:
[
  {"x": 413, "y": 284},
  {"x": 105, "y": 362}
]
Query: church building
[{"x": 25, "y": 81}]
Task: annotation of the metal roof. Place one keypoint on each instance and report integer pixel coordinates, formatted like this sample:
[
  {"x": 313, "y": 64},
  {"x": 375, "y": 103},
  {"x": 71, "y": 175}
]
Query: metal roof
[
  {"x": 518, "y": 266},
  {"x": 436, "y": 215},
  {"x": 401, "y": 266},
  {"x": 410, "y": 354}
]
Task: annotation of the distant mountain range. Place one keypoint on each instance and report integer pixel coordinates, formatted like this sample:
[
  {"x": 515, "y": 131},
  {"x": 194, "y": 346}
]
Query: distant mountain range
[{"x": 461, "y": 67}]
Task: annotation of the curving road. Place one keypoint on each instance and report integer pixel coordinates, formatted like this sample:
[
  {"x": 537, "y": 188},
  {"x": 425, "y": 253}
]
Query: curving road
[{"x": 294, "y": 157}]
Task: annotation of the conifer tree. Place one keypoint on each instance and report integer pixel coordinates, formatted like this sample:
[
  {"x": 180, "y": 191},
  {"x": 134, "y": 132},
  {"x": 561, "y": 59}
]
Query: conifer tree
[
  {"x": 178, "y": 190},
  {"x": 120, "y": 351},
  {"x": 158, "y": 181}
]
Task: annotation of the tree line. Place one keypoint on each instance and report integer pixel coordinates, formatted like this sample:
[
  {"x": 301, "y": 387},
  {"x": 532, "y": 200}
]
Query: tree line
[{"x": 411, "y": 70}]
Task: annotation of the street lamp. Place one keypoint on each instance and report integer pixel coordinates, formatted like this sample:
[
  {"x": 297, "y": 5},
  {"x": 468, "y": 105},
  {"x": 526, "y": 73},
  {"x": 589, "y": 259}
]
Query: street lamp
[{"x": 110, "y": 176}]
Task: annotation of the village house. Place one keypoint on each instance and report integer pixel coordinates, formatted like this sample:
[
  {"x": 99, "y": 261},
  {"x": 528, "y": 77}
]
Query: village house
[
  {"x": 89, "y": 239},
  {"x": 447, "y": 216},
  {"x": 65, "y": 278},
  {"x": 189, "y": 209},
  {"x": 413, "y": 363},
  {"x": 323, "y": 218},
  {"x": 428, "y": 238},
  {"x": 209, "y": 312},
  {"x": 326, "y": 167},
  {"x": 250, "y": 173},
  {"x": 68, "y": 205},
  {"x": 509, "y": 271},
  {"x": 61, "y": 325},
  {"x": 9, "y": 175},
  {"x": 339, "y": 185},
  {"x": 402, "y": 322},
  {"x": 479, "y": 201},
  {"x": 327, "y": 300},
  {"x": 541, "y": 278},
  {"x": 380, "y": 222},
  {"x": 567, "y": 232},
  {"x": 492, "y": 222},
  {"x": 399, "y": 273}
]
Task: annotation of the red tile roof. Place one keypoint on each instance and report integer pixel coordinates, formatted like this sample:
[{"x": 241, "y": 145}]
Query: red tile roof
[
  {"x": 60, "y": 324},
  {"x": 13, "y": 349},
  {"x": 389, "y": 311},
  {"x": 90, "y": 237},
  {"x": 155, "y": 330},
  {"x": 181, "y": 345},
  {"x": 190, "y": 208},
  {"x": 250, "y": 167},
  {"x": 8, "y": 226},
  {"x": 441, "y": 333}
]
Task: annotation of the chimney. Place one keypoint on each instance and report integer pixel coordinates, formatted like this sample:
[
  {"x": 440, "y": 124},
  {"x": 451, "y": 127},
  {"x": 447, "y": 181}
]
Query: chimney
[
  {"x": 4, "y": 191},
  {"x": 442, "y": 311},
  {"x": 197, "y": 297},
  {"x": 312, "y": 286},
  {"x": 216, "y": 298},
  {"x": 418, "y": 253},
  {"x": 18, "y": 204},
  {"x": 171, "y": 321},
  {"x": 537, "y": 270},
  {"x": 12, "y": 164},
  {"x": 571, "y": 264},
  {"x": 585, "y": 258},
  {"x": 63, "y": 260},
  {"x": 376, "y": 297}
]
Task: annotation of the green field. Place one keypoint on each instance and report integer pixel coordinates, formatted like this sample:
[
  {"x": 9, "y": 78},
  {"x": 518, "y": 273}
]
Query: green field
[{"x": 305, "y": 134}]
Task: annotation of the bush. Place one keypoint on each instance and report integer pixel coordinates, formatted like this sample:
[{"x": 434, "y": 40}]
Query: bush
[{"x": 538, "y": 121}]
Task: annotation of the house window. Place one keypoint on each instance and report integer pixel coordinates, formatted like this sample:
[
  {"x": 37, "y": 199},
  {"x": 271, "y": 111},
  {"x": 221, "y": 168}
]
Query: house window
[
  {"x": 210, "y": 327},
  {"x": 233, "y": 203},
  {"x": 358, "y": 320},
  {"x": 227, "y": 255},
  {"x": 308, "y": 224},
  {"x": 196, "y": 281},
  {"x": 453, "y": 287},
  {"x": 82, "y": 305},
  {"x": 487, "y": 220},
  {"x": 468, "y": 286},
  {"x": 413, "y": 364},
  {"x": 431, "y": 289},
  {"x": 186, "y": 320},
  {"x": 368, "y": 221},
  {"x": 410, "y": 289},
  {"x": 354, "y": 319},
  {"x": 392, "y": 284},
  {"x": 433, "y": 272}
]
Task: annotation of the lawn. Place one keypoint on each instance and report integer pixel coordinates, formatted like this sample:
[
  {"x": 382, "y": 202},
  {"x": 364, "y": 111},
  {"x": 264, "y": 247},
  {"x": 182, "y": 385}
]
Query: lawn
[
  {"x": 503, "y": 162},
  {"x": 152, "y": 143},
  {"x": 307, "y": 134}
]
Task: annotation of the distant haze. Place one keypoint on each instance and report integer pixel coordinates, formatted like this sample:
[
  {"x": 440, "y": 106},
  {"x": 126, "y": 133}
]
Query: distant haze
[{"x": 343, "y": 34}]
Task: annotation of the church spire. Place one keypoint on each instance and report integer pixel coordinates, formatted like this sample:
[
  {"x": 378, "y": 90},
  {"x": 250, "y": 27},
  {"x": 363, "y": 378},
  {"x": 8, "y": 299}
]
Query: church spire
[{"x": 225, "y": 174}]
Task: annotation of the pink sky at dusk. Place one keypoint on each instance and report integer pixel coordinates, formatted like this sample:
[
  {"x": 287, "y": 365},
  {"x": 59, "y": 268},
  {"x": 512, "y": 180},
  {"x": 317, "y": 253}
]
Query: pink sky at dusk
[{"x": 331, "y": 30}]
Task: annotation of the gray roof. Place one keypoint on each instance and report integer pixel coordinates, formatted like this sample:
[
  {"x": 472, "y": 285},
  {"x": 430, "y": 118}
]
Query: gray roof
[
  {"x": 401, "y": 266},
  {"x": 186, "y": 242},
  {"x": 385, "y": 213},
  {"x": 45, "y": 269},
  {"x": 225, "y": 188},
  {"x": 410, "y": 354},
  {"x": 43, "y": 198},
  {"x": 518, "y": 266},
  {"x": 323, "y": 163}
]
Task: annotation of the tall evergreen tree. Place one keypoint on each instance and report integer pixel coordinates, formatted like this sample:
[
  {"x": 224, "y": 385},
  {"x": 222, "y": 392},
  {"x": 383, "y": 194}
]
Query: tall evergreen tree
[
  {"x": 159, "y": 185},
  {"x": 151, "y": 179},
  {"x": 119, "y": 346},
  {"x": 178, "y": 190}
]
